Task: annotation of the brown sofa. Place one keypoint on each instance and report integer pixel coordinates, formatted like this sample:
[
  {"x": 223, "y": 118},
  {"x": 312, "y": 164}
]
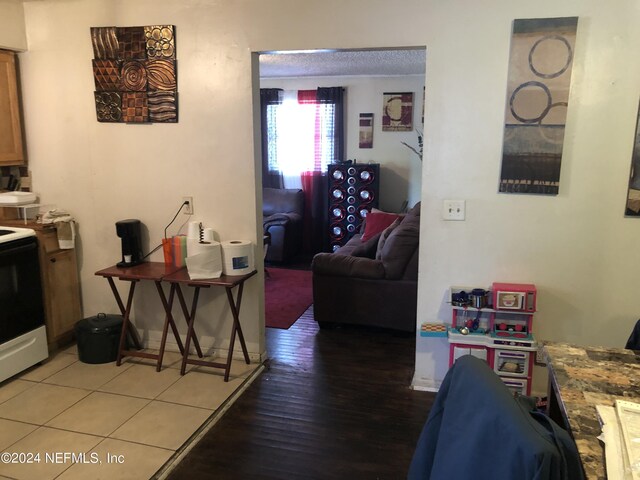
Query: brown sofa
[
  {"x": 282, "y": 211},
  {"x": 370, "y": 283}
]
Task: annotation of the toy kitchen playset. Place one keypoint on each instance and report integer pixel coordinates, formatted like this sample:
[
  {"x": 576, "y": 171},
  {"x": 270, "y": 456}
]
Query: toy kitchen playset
[{"x": 496, "y": 325}]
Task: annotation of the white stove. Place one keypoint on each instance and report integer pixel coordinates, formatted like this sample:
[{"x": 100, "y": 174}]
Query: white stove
[
  {"x": 9, "y": 234},
  {"x": 23, "y": 335}
]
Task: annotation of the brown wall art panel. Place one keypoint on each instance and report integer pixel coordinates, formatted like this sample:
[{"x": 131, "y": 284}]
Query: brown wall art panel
[
  {"x": 135, "y": 74},
  {"x": 540, "y": 65}
]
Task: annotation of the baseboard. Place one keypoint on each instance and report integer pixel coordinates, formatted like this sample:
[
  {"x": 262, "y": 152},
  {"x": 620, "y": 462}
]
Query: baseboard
[
  {"x": 425, "y": 384},
  {"x": 208, "y": 349}
]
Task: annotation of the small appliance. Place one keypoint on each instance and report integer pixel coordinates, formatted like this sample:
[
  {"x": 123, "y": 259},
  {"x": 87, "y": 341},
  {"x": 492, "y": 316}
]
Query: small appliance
[
  {"x": 514, "y": 296},
  {"x": 129, "y": 232}
]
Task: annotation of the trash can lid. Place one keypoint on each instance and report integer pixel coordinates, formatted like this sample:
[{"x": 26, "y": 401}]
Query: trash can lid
[{"x": 100, "y": 323}]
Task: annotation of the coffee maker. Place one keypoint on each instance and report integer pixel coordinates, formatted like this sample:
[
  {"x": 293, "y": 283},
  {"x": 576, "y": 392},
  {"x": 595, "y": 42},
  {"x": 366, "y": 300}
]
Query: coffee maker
[{"x": 129, "y": 232}]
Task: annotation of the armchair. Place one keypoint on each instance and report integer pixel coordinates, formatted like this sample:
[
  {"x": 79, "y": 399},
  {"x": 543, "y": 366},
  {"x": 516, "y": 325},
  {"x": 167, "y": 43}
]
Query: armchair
[{"x": 282, "y": 211}]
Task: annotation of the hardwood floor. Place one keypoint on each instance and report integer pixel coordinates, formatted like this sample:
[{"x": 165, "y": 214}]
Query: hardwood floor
[{"x": 332, "y": 404}]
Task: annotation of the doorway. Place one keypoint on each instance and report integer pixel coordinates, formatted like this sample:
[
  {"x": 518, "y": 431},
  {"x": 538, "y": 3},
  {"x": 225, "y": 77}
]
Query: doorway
[{"x": 365, "y": 76}]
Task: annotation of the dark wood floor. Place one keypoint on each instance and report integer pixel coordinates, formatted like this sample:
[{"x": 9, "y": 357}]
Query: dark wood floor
[{"x": 332, "y": 404}]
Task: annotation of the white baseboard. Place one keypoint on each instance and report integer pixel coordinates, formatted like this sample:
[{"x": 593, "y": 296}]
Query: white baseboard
[
  {"x": 208, "y": 349},
  {"x": 425, "y": 384}
]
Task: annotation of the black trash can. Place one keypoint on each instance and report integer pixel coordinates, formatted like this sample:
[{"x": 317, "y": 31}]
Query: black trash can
[{"x": 98, "y": 338}]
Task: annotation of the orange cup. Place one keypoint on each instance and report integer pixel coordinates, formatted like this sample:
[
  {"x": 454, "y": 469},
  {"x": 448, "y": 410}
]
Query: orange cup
[{"x": 167, "y": 250}]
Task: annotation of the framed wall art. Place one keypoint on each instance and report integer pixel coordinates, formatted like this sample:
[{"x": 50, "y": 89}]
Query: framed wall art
[
  {"x": 633, "y": 193},
  {"x": 366, "y": 130},
  {"x": 540, "y": 66},
  {"x": 397, "y": 112},
  {"x": 135, "y": 74}
]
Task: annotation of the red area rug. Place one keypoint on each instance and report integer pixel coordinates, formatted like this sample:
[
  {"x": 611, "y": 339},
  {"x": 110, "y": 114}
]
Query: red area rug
[{"x": 288, "y": 293}]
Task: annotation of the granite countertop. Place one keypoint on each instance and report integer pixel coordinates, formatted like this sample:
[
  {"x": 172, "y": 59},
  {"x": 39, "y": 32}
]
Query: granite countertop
[{"x": 584, "y": 377}]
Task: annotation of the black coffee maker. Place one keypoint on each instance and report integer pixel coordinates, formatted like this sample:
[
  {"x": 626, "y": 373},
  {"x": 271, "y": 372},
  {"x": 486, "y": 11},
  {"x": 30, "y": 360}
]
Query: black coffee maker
[{"x": 129, "y": 232}]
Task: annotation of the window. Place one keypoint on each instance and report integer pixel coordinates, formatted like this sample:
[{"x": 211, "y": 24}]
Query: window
[{"x": 300, "y": 134}]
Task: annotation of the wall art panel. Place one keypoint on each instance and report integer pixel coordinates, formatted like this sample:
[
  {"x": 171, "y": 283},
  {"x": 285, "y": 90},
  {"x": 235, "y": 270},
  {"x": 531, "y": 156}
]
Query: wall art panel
[
  {"x": 105, "y": 42},
  {"x": 162, "y": 106},
  {"x": 540, "y": 65},
  {"x": 137, "y": 67},
  {"x": 633, "y": 193},
  {"x": 108, "y": 106},
  {"x": 397, "y": 112},
  {"x": 366, "y": 130},
  {"x": 106, "y": 74},
  {"x": 160, "y": 41}
]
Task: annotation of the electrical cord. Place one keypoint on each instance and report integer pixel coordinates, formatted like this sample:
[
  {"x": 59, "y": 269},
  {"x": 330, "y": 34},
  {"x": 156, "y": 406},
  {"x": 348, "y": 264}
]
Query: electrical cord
[
  {"x": 165, "y": 229},
  {"x": 174, "y": 218},
  {"x": 155, "y": 249}
]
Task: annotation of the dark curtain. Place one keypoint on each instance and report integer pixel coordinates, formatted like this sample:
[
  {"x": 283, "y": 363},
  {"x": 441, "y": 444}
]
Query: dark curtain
[
  {"x": 270, "y": 178},
  {"x": 316, "y": 212},
  {"x": 335, "y": 95},
  {"x": 315, "y": 184}
]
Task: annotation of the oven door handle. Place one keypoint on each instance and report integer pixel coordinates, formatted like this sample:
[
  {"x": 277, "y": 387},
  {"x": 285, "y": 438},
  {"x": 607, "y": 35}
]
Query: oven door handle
[{"x": 17, "y": 250}]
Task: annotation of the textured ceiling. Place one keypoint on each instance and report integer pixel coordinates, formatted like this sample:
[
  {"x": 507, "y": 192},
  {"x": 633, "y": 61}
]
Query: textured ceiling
[{"x": 343, "y": 63}]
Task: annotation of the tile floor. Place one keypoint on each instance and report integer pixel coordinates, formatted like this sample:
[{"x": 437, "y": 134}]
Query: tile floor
[{"x": 128, "y": 421}]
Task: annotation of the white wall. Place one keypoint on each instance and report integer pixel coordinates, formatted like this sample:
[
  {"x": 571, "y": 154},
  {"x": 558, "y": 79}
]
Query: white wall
[
  {"x": 401, "y": 169},
  {"x": 102, "y": 172},
  {"x": 12, "y": 28},
  {"x": 576, "y": 247}
]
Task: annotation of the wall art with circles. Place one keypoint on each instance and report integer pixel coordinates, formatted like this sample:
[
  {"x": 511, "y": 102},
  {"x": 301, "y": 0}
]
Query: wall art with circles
[
  {"x": 135, "y": 74},
  {"x": 397, "y": 111},
  {"x": 632, "y": 208},
  {"x": 540, "y": 66}
]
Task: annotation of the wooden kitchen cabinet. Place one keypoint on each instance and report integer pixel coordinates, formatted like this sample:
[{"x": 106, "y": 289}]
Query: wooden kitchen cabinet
[
  {"x": 11, "y": 147},
  {"x": 60, "y": 286}
]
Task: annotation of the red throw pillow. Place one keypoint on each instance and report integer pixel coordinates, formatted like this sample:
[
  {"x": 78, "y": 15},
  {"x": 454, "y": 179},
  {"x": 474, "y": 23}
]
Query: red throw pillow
[{"x": 377, "y": 222}]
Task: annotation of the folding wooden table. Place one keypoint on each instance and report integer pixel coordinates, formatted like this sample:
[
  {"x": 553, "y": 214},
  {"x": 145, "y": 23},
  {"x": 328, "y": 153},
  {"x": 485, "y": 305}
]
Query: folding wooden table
[
  {"x": 155, "y": 271},
  {"x": 229, "y": 282}
]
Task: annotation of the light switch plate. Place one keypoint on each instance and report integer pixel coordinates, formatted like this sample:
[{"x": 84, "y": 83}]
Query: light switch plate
[{"x": 453, "y": 210}]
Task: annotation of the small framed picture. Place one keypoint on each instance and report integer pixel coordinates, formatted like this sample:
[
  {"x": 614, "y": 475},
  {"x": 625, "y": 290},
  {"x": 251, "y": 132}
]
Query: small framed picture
[
  {"x": 397, "y": 112},
  {"x": 366, "y": 130}
]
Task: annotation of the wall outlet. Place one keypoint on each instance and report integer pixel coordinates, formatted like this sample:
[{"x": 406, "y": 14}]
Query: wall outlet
[
  {"x": 188, "y": 208},
  {"x": 453, "y": 210}
]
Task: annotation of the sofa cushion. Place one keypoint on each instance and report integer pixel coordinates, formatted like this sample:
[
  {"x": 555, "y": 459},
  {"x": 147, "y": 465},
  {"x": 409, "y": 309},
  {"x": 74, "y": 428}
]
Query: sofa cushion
[
  {"x": 366, "y": 249},
  {"x": 376, "y": 222},
  {"x": 383, "y": 238},
  {"x": 346, "y": 266},
  {"x": 400, "y": 247},
  {"x": 279, "y": 219},
  {"x": 415, "y": 211}
]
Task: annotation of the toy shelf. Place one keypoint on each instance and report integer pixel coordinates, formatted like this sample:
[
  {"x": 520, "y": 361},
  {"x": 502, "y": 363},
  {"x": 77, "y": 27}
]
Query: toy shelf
[
  {"x": 491, "y": 310},
  {"x": 502, "y": 337}
]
